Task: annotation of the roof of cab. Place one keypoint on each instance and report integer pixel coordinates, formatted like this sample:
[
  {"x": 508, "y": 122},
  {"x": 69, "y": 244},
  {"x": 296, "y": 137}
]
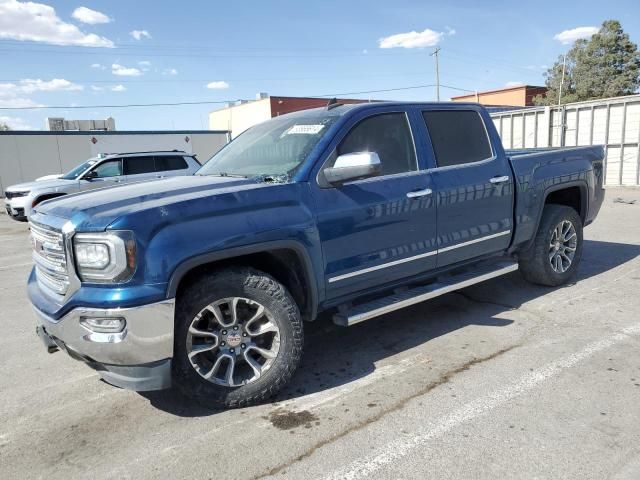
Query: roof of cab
[{"x": 342, "y": 109}]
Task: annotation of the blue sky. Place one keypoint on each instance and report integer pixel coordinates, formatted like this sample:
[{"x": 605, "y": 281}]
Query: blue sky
[{"x": 63, "y": 53}]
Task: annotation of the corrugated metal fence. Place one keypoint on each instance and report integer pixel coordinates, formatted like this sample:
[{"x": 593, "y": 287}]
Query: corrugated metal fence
[{"x": 613, "y": 122}]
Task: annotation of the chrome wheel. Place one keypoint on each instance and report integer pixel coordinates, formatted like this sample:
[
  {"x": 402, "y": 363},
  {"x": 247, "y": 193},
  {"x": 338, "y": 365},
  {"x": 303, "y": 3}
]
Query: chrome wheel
[
  {"x": 562, "y": 247},
  {"x": 233, "y": 341}
]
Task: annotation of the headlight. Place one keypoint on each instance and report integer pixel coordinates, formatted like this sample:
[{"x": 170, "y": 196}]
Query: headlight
[{"x": 105, "y": 257}]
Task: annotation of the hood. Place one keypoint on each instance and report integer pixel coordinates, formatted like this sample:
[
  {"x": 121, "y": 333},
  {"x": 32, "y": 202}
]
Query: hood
[
  {"x": 97, "y": 209},
  {"x": 48, "y": 184},
  {"x": 49, "y": 177}
]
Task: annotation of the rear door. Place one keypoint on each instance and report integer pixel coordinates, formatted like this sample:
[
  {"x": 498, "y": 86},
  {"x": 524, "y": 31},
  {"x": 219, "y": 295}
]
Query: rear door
[
  {"x": 171, "y": 166},
  {"x": 474, "y": 186},
  {"x": 140, "y": 168}
]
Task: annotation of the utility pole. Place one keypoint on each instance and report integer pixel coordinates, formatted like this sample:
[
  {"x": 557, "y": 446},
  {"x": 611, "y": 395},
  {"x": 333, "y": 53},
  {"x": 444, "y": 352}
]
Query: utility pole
[
  {"x": 564, "y": 67},
  {"x": 435, "y": 54}
]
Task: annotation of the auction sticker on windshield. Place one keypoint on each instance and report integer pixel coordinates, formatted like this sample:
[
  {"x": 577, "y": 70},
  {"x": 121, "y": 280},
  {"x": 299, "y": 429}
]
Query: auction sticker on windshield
[{"x": 304, "y": 130}]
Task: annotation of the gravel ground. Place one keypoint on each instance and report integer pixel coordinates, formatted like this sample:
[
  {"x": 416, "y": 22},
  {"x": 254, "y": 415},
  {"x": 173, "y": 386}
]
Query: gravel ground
[{"x": 501, "y": 380}]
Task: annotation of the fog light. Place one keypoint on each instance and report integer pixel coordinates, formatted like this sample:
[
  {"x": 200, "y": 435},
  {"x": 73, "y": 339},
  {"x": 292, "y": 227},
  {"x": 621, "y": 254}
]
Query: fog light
[{"x": 103, "y": 324}]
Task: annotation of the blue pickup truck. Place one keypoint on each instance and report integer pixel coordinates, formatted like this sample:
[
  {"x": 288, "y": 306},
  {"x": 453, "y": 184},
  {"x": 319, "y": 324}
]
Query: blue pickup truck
[{"x": 204, "y": 282}]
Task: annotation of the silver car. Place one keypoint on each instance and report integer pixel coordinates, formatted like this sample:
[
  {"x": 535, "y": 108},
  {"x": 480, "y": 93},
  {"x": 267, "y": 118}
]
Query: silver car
[{"x": 99, "y": 172}]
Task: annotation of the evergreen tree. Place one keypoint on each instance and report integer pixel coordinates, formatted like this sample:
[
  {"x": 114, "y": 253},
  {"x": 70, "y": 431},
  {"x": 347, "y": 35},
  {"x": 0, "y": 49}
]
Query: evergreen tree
[{"x": 606, "y": 65}]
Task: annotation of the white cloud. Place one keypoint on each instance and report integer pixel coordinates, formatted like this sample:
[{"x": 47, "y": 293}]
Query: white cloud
[
  {"x": 37, "y": 22},
  {"x": 18, "y": 102},
  {"x": 170, "y": 71},
  {"x": 118, "y": 88},
  {"x": 144, "y": 63},
  {"x": 450, "y": 31},
  {"x": 57, "y": 84},
  {"x": 218, "y": 85},
  {"x": 98, "y": 66},
  {"x": 513, "y": 84},
  {"x": 426, "y": 38},
  {"x": 28, "y": 86},
  {"x": 15, "y": 123},
  {"x": 92, "y": 17},
  {"x": 123, "y": 71},
  {"x": 95, "y": 88},
  {"x": 140, "y": 34},
  {"x": 569, "y": 36}
]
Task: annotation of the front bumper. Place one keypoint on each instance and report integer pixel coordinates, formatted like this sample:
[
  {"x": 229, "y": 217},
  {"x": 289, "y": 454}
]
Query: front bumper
[
  {"x": 16, "y": 207},
  {"x": 138, "y": 358}
]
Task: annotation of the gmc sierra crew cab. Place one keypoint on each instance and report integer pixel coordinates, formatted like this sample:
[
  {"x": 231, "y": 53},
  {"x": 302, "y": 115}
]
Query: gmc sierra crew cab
[{"x": 204, "y": 282}]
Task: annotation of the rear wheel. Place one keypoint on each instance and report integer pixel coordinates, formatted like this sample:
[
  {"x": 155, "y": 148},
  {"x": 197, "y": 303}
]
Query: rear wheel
[
  {"x": 238, "y": 338},
  {"x": 556, "y": 251}
]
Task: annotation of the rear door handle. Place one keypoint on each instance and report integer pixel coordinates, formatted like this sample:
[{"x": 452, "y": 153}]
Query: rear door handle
[
  {"x": 420, "y": 193},
  {"x": 502, "y": 179}
]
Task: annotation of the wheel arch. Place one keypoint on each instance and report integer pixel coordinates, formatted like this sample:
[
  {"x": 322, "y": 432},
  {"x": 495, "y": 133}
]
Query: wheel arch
[
  {"x": 555, "y": 194},
  {"x": 44, "y": 197},
  {"x": 287, "y": 261}
]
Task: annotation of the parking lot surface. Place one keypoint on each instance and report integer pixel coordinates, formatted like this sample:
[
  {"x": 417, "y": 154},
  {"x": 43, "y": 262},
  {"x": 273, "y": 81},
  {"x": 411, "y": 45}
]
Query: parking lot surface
[{"x": 500, "y": 380}]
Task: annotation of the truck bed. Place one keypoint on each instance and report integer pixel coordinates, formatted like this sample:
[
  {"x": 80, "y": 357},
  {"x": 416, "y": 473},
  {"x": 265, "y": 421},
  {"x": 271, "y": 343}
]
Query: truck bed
[{"x": 519, "y": 152}]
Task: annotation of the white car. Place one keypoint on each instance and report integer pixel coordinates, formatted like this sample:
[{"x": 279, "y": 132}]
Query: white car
[{"x": 99, "y": 172}]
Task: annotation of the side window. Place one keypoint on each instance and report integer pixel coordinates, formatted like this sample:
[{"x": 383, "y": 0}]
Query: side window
[
  {"x": 389, "y": 136},
  {"x": 168, "y": 163},
  {"x": 110, "y": 168},
  {"x": 138, "y": 165},
  {"x": 458, "y": 136}
]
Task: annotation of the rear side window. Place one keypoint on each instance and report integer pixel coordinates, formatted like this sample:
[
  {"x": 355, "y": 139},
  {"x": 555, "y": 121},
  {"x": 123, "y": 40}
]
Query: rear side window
[
  {"x": 389, "y": 136},
  {"x": 458, "y": 137},
  {"x": 138, "y": 165},
  {"x": 168, "y": 163}
]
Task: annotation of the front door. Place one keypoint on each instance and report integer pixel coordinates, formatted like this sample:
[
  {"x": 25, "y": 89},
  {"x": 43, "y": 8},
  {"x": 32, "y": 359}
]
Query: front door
[
  {"x": 474, "y": 185},
  {"x": 105, "y": 174},
  {"x": 381, "y": 229}
]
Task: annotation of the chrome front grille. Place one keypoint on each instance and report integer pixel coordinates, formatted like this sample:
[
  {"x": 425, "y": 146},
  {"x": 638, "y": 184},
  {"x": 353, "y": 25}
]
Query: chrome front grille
[{"x": 50, "y": 258}]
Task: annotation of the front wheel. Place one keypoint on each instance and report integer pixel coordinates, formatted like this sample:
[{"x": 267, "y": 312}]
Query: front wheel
[
  {"x": 556, "y": 251},
  {"x": 238, "y": 338}
]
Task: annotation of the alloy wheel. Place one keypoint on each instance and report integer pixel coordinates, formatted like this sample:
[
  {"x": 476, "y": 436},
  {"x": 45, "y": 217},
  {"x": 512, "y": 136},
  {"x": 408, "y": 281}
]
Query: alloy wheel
[
  {"x": 233, "y": 341},
  {"x": 562, "y": 247}
]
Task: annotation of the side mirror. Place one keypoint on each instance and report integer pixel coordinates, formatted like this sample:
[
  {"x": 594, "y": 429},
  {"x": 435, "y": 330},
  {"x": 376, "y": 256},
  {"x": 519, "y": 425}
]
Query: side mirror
[
  {"x": 353, "y": 166},
  {"x": 90, "y": 175}
]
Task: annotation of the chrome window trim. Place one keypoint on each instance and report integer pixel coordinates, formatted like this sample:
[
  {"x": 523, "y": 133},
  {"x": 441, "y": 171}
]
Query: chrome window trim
[
  {"x": 379, "y": 177},
  {"x": 417, "y": 257}
]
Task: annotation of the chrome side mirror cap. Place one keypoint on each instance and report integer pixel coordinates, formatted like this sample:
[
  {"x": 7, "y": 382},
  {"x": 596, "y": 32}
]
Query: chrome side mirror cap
[{"x": 353, "y": 166}]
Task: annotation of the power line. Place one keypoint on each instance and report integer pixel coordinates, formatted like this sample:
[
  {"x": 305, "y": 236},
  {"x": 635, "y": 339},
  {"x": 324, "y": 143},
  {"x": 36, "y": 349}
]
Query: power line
[
  {"x": 252, "y": 79},
  {"x": 118, "y": 53},
  {"x": 214, "y": 102}
]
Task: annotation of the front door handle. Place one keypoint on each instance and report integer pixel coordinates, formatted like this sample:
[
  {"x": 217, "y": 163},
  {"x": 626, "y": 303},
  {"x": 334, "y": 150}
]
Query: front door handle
[
  {"x": 502, "y": 179},
  {"x": 419, "y": 193}
]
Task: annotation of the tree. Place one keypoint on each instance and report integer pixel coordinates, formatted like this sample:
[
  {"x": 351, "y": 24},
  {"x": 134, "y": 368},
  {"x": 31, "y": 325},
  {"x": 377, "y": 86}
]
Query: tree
[
  {"x": 606, "y": 65},
  {"x": 4, "y": 127}
]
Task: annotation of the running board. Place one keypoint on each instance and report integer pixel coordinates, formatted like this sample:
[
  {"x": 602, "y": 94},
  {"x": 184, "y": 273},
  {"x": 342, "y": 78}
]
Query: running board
[{"x": 375, "y": 308}]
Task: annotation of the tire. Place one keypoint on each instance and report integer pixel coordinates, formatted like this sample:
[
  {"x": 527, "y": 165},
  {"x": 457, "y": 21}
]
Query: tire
[
  {"x": 539, "y": 263},
  {"x": 218, "y": 295}
]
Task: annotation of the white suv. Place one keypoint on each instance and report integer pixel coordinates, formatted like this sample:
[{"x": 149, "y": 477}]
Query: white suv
[{"x": 99, "y": 172}]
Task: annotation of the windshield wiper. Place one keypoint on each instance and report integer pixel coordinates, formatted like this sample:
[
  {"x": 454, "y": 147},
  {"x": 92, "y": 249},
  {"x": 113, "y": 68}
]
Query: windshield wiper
[{"x": 226, "y": 174}]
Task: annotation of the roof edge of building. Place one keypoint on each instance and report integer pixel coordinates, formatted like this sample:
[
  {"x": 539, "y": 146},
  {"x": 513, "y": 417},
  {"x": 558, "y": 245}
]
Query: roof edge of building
[{"x": 499, "y": 90}]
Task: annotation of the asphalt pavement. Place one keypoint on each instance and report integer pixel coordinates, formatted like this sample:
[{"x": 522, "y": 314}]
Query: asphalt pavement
[{"x": 500, "y": 380}]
